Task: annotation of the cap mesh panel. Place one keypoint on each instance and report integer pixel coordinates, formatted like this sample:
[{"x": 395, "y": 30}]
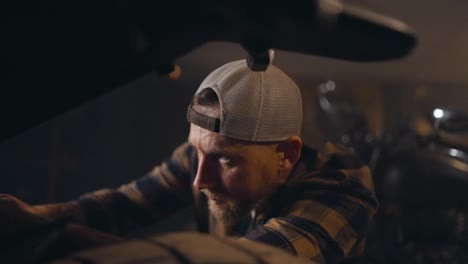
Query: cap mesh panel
[{"x": 255, "y": 108}]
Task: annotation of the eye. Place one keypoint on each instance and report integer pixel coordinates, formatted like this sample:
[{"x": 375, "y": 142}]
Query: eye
[{"x": 224, "y": 159}]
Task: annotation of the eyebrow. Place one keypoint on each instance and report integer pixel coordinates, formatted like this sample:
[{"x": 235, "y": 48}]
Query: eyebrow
[{"x": 224, "y": 148}]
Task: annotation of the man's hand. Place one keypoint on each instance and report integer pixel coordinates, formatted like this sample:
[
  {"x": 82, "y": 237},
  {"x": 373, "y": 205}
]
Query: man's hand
[{"x": 17, "y": 217}]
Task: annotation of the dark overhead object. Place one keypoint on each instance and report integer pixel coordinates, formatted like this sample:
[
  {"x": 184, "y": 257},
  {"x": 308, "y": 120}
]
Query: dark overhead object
[
  {"x": 56, "y": 55},
  {"x": 323, "y": 28}
]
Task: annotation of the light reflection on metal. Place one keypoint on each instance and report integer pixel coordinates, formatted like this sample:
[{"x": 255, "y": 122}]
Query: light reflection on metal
[
  {"x": 453, "y": 152},
  {"x": 271, "y": 53},
  {"x": 323, "y": 88},
  {"x": 330, "y": 85},
  {"x": 455, "y": 158},
  {"x": 327, "y": 87},
  {"x": 438, "y": 113},
  {"x": 458, "y": 154},
  {"x": 325, "y": 104}
]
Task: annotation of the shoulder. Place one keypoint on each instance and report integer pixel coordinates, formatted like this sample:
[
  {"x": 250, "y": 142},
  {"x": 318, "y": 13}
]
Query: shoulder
[
  {"x": 326, "y": 157},
  {"x": 334, "y": 170}
]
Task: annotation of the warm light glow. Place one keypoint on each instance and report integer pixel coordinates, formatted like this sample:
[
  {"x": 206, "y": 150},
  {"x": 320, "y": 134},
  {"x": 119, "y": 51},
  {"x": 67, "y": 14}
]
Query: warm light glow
[{"x": 175, "y": 74}]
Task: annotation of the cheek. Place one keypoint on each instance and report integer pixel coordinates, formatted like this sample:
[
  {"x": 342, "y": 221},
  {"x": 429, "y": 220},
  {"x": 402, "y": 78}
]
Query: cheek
[
  {"x": 232, "y": 179},
  {"x": 244, "y": 184}
]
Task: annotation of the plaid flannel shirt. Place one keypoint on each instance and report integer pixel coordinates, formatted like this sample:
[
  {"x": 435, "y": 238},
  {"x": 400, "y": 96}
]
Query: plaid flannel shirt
[{"x": 322, "y": 212}]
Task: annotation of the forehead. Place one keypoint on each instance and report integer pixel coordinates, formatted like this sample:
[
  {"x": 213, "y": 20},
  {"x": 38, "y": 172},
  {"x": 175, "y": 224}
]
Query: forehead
[
  {"x": 204, "y": 139},
  {"x": 210, "y": 142}
]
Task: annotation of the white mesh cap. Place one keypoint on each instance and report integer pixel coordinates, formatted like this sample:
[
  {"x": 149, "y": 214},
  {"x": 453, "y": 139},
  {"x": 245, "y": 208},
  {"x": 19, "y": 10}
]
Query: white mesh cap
[{"x": 255, "y": 106}]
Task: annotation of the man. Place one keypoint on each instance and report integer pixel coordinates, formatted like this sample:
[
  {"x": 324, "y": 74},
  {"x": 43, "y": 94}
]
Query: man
[{"x": 245, "y": 154}]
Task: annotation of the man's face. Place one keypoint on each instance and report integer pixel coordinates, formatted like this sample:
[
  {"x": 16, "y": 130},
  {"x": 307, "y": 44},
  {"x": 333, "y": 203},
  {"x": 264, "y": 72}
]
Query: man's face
[{"x": 234, "y": 174}]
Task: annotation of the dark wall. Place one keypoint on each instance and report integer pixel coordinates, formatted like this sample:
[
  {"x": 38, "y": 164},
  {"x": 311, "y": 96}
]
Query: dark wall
[{"x": 104, "y": 143}]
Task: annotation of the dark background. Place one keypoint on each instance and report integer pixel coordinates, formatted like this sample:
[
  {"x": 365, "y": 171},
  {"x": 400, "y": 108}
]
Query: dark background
[{"x": 121, "y": 135}]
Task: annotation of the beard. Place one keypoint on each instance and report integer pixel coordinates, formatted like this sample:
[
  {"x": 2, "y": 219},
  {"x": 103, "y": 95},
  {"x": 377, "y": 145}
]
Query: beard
[{"x": 224, "y": 212}]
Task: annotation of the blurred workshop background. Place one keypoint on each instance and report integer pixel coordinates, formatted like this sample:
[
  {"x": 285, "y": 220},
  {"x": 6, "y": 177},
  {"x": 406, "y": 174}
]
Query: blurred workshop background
[{"x": 394, "y": 113}]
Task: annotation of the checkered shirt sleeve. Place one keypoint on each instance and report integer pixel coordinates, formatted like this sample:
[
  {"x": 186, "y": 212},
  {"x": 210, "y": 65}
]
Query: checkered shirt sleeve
[{"x": 143, "y": 201}]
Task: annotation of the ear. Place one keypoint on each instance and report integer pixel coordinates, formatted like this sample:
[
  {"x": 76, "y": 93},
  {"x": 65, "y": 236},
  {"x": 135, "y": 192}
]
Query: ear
[{"x": 289, "y": 152}]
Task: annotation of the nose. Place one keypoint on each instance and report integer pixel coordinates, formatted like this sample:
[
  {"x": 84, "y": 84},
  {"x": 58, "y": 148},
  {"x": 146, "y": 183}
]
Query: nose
[{"x": 206, "y": 177}]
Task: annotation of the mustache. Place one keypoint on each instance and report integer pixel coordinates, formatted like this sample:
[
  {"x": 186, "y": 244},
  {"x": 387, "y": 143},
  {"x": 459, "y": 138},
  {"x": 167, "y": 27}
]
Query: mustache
[{"x": 214, "y": 195}]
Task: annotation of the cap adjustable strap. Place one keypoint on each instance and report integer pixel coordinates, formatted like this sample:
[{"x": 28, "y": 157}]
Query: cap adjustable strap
[{"x": 203, "y": 121}]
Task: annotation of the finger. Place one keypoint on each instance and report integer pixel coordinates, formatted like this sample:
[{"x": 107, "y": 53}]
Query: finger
[{"x": 10, "y": 202}]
